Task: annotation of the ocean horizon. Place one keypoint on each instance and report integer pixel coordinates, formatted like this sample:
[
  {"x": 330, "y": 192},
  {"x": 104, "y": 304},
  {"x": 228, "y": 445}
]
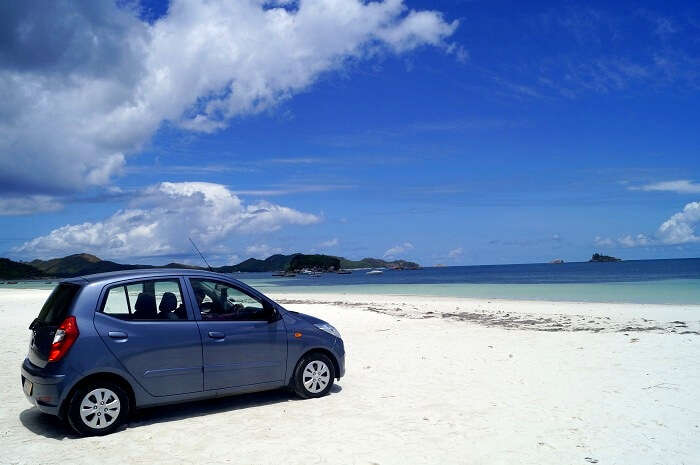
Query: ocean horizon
[{"x": 662, "y": 281}]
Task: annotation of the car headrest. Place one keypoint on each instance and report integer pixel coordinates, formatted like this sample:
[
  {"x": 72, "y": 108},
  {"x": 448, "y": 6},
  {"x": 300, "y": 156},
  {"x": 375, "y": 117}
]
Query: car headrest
[
  {"x": 168, "y": 303},
  {"x": 199, "y": 293},
  {"x": 145, "y": 305}
]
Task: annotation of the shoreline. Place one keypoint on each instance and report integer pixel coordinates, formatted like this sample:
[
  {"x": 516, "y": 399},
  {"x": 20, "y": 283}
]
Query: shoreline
[
  {"x": 517, "y": 314},
  {"x": 298, "y": 290}
]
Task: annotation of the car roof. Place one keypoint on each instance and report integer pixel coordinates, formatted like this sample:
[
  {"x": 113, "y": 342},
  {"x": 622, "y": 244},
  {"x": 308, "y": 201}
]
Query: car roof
[{"x": 145, "y": 273}]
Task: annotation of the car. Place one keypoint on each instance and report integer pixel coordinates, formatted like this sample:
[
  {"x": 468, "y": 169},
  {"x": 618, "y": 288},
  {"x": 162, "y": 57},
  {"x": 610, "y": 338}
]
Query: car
[{"x": 106, "y": 344}]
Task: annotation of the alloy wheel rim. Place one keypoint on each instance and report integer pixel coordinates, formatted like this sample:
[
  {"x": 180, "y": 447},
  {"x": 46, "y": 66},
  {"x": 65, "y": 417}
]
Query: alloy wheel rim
[
  {"x": 100, "y": 408},
  {"x": 316, "y": 376}
]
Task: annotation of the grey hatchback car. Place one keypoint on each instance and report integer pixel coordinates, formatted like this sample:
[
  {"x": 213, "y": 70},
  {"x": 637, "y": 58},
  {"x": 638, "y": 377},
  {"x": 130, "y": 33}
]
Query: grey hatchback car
[{"x": 106, "y": 344}]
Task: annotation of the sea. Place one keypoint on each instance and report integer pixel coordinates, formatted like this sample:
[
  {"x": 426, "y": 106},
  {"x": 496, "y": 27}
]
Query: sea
[{"x": 672, "y": 281}]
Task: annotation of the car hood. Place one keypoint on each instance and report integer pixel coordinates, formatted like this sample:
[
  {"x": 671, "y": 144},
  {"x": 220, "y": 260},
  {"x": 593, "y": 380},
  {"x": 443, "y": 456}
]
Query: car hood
[{"x": 310, "y": 319}]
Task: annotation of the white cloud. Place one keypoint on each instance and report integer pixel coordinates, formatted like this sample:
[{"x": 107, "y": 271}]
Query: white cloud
[
  {"x": 84, "y": 85},
  {"x": 680, "y": 228},
  {"x": 635, "y": 241},
  {"x": 261, "y": 251},
  {"x": 629, "y": 240},
  {"x": 455, "y": 253},
  {"x": 329, "y": 243},
  {"x": 398, "y": 249},
  {"x": 28, "y": 204},
  {"x": 159, "y": 222},
  {"x": 603, "y": 241},
  {"x": 680, "y": 186}
]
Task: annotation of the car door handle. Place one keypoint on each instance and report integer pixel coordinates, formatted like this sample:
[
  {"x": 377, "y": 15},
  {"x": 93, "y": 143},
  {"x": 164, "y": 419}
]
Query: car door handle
[
  {"x": 117, "y": 335},
  {"x": 216, "y": 335}
]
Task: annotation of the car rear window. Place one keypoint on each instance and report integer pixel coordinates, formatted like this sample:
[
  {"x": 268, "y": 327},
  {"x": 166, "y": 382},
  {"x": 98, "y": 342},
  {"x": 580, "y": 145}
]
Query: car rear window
[{"x": 56, "y": 307}]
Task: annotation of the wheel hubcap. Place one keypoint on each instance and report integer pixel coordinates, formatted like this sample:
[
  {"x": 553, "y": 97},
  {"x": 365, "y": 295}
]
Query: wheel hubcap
[
  {"x": 316, "y": 376},
  {"x": 100, "y": 408}
]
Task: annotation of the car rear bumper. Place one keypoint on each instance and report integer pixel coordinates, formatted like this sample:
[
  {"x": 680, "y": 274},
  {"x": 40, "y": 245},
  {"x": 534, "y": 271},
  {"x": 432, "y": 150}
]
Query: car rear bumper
[{"x": 45, "y": 390}]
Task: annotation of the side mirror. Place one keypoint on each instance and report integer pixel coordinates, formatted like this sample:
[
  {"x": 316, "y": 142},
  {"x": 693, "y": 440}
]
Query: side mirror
[{"x": 274, "y": 315}]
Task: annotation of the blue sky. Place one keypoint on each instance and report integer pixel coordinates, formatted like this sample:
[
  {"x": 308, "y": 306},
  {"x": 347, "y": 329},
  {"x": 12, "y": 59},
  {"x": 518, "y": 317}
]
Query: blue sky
[{"x": 492, "y": 132}]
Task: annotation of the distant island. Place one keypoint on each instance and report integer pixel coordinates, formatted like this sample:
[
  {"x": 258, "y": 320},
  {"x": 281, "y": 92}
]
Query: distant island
[
  {"x": 604, "y": 258},
  {"x": 81, "y": 264}
]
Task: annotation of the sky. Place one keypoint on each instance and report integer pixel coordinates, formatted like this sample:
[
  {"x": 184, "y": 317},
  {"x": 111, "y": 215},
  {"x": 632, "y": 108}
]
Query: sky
[{"x": 451, "y": 132}]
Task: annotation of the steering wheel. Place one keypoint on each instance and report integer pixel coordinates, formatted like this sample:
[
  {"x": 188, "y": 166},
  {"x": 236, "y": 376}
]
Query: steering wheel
[{"x": 237, "y": 307}]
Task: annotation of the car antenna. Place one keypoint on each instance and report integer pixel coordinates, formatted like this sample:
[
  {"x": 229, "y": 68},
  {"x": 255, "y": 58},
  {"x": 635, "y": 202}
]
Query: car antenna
[{"x": 200, "y": 253}]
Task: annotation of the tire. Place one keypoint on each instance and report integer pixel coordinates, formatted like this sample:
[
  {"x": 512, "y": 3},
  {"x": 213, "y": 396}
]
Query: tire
[
  {"x": 312, "y": 371},
  {"x": 106, "y": 417}
]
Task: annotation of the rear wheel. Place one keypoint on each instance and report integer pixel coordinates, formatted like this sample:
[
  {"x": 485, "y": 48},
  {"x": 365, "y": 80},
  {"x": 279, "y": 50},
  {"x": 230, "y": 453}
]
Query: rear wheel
[
  {"x": 314, "y": 375},
  {"x": 98, "y": 408}
]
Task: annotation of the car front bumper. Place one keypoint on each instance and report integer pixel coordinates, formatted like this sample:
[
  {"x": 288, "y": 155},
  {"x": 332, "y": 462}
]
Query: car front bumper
[{"x": 339, "y": 347}]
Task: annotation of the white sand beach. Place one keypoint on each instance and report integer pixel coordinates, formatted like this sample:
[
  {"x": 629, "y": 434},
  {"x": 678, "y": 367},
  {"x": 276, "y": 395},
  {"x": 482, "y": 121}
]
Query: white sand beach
[{"x": 429, "y": 380}]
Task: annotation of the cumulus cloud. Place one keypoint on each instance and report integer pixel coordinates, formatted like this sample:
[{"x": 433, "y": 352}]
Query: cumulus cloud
[
  {"x": 678, "y": 229},
  {"x": 398, "y": 249},
  {"x": 159, "y": 222},
  {"x": 26, "y": 205},
  {"x": 680, "y": 186},
  {"x": 85, "y": 84}
]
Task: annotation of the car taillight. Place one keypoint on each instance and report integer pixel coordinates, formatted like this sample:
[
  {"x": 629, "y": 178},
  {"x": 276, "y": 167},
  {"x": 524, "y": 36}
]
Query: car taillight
[{"x": 65, "y": 336}]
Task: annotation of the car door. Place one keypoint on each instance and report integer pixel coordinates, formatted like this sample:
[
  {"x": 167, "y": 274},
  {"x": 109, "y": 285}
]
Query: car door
[
  {"x": 243, "y": 344},
  {"x": 147, "y": 326}
]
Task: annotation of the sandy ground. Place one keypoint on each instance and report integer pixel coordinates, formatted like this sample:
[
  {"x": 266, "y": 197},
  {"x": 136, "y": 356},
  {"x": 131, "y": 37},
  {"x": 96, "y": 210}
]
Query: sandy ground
[{"x": 429, "y": 380}]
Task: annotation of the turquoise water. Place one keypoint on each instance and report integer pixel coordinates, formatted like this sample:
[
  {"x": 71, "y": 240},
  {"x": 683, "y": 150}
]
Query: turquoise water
[
  {"x": 680, "y": 291},
  {"x": 29, "y": 285},
  {"x": 672, "y": 291},
  {"x": 671, "y": 281}
]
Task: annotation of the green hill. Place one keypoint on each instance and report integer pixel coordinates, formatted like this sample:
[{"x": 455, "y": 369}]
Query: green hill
[
  {"x": 180, "y": 265},
  {"x": 299, "y": 261},
  {"x": 79, "y": 264},
  {"x": 319, "y": 262},
  {"x": 15, "y": 270},
  {"x": 272, "y": 263},
  {"x": 82, "y": 264}
]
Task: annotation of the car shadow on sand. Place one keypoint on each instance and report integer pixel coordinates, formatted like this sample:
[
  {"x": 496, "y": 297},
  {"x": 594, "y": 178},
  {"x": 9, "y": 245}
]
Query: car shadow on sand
[
  {"x": 52, "y": 427},
  {"x": 46, "y": 425}
]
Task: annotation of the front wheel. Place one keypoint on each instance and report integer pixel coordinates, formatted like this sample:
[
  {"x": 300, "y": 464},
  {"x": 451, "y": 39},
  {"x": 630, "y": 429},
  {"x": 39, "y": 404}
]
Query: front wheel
[
  {"x": 97, "y": 408},
  {"x": 314, "y": 375}
]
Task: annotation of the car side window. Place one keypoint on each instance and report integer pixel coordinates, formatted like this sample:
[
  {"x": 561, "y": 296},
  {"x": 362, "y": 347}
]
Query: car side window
[
  {"x": 219, "y": 301},
  {"x": 146, "y": 300},
  {"x": 116, "y": 304}
]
